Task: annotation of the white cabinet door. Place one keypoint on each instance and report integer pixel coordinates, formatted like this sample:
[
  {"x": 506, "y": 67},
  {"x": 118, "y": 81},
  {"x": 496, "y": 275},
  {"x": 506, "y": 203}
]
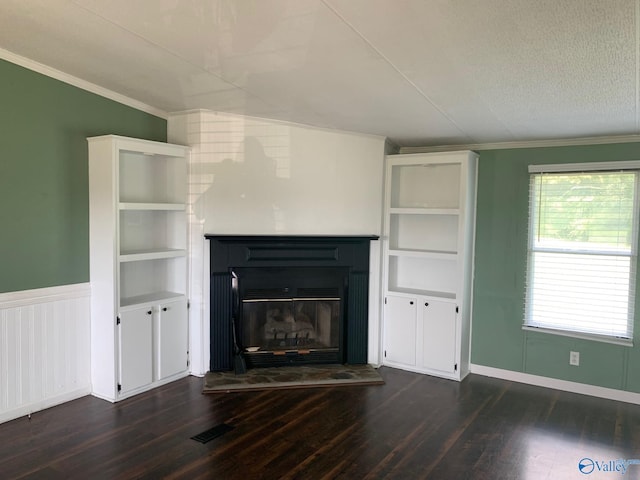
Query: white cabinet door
[
  {"x": 136, "y": 357},
  {"x": 439, "y": 337},
  {"x": 400, "y": 330},
  {"x": 172, "y": 339}
]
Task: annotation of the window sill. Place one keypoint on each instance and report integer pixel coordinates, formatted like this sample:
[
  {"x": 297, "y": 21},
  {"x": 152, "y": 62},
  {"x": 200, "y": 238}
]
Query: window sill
[{"x": 583, "y": 336}]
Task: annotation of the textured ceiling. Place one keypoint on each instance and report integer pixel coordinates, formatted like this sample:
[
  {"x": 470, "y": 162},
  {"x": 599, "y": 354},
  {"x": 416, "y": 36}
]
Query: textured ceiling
[{"x": 420, "y": 72}]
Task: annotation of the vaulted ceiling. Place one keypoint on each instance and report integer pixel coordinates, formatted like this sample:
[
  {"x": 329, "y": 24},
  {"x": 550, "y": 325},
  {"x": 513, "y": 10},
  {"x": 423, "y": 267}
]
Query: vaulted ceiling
[{"x": 420, "y": 72}]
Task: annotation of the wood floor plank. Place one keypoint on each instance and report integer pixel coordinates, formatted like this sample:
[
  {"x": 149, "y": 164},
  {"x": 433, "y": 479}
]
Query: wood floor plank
[{"x": 414, "y": 426}]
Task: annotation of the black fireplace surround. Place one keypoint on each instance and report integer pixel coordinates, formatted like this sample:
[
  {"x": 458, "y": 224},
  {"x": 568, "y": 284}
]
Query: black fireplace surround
[{"x": 268, "y": 280}]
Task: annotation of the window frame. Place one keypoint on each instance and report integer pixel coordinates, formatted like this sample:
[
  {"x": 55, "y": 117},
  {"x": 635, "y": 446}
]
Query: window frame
[{"x": 577, "y": 168}]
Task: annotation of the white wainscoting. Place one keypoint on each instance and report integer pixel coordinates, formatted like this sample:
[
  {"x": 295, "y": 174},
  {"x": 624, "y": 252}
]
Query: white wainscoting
[{"x": 44, "y": 348}]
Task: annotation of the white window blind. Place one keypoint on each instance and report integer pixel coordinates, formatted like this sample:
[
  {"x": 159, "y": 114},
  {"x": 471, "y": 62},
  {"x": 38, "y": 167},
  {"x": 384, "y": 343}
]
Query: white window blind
[{"x": 582, "y": 251}]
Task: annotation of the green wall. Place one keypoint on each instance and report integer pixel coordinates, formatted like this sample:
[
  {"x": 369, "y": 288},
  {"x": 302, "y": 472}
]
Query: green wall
[
  {"x": 500, "y": 264},
  {"x": 44, "y": 207}
]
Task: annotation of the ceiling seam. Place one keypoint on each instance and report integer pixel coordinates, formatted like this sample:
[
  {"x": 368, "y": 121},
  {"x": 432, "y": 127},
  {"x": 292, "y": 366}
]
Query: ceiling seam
[
  {"x": 398, "y": 71},
  {"x": 204, "y": 69}
]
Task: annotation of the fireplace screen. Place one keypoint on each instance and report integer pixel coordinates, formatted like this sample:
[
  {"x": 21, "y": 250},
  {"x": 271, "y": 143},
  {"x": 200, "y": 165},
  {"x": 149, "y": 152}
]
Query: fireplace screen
[{"x": 280, "y": 325}]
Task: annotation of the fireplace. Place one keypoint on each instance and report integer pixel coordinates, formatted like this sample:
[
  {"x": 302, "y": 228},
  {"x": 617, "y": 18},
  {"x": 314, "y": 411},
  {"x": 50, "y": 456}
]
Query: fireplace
[{"x": 282, "y": 300}]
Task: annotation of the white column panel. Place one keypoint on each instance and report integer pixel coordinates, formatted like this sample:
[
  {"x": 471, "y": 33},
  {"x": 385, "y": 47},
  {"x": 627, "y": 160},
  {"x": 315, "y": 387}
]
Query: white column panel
[{"x": 255, "y": 176}]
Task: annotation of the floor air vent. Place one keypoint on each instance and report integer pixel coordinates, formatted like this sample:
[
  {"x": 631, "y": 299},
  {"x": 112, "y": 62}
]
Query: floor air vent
[{"x": 212, "y": 433}]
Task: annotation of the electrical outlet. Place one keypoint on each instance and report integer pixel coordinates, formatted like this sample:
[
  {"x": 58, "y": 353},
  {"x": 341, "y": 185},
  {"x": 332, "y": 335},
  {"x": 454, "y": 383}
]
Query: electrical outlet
[{"x": 574, "y": 358}]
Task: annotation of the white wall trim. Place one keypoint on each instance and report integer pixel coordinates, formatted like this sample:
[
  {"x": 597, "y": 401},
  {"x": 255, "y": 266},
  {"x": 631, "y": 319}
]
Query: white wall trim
[
  {"x": 32, "y": 407},
  {"x": 78, "y": 82},
  {"x": 374, "y": 345},
  {"x": 556, "y": 384},
  {"x": 42, "y": 295},
  {"x": 561, "y": 142}
]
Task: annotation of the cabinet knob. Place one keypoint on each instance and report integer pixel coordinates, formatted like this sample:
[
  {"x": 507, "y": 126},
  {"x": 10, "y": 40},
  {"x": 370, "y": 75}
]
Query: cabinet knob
[
  {"x": 164, "y": 309},
  {"x": 149, "y": 312},
  {"x": 426, "y": 304},
  {"x": 411, "y": 302}
]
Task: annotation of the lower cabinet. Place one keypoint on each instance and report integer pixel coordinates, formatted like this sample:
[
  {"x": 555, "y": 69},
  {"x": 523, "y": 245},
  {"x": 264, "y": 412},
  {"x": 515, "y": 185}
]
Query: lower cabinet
[
  {"x": 136, "y": 348},
  {"x": 171, "y": 339},
  {"x": 400, "y": 330},
  {"x": 439, "y": 336},
  {"x": 420, "y": 334},
  {"x": 153, "y": 343}
]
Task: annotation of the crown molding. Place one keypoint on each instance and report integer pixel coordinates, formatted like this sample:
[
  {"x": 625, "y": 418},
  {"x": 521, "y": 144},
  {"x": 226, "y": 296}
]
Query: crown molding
[
  {"x": 79, "y": 83},
  {"x": 561, "y": 142}
]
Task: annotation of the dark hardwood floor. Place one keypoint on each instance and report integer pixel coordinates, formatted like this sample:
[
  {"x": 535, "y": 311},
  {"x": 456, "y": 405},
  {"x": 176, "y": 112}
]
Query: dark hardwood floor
[{"x": 414, "y": 426}]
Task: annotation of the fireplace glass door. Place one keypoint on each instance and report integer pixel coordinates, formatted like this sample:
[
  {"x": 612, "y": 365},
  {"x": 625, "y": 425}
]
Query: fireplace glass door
[
  {"x": 289, "y": 315},
  {"x": 279, "y": 325}
]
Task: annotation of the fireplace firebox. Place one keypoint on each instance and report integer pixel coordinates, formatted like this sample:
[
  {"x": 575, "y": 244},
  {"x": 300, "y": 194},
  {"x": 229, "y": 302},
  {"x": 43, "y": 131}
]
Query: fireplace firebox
[
  {"x": 282, "y": 300},
  {"x": 287, "y": 315}
]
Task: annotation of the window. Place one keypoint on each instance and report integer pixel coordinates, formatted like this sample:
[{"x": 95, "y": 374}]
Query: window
[{"x": 581, "y": 264}]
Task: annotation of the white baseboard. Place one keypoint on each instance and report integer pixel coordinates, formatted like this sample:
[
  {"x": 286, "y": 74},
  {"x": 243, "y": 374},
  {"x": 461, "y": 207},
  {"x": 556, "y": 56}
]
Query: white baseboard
[
  {"x": 33, "y": 407},
  {"x": 564, "y": 385}
]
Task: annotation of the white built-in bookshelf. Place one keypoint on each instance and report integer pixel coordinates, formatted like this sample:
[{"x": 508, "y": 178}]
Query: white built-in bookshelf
[
  {"x": 428, "y": 251},
  {"x": 138, "y": 262}
]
